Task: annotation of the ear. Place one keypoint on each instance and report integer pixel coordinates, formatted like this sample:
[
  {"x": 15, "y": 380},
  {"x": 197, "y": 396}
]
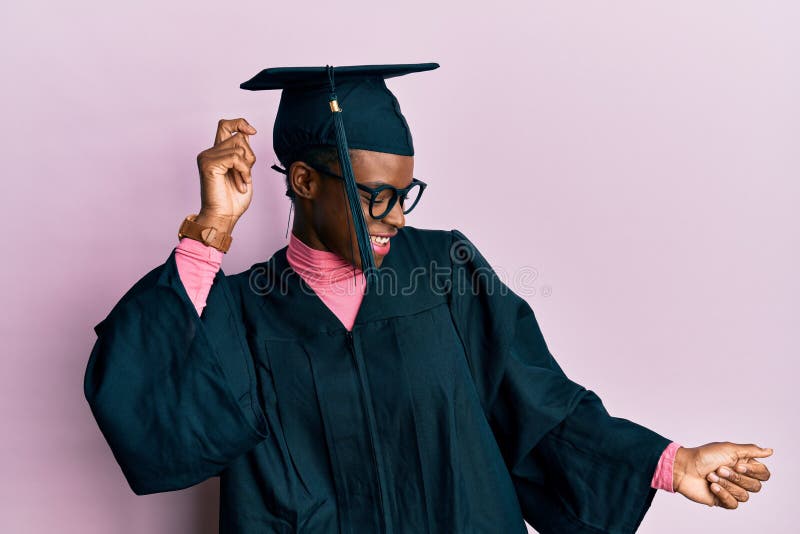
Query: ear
[{"x": 304, "y": 182}]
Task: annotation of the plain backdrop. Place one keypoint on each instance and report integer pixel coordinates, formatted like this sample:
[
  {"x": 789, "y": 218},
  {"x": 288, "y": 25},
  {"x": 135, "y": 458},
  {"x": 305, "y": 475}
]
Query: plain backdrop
[{"x": 637, "y": 159}]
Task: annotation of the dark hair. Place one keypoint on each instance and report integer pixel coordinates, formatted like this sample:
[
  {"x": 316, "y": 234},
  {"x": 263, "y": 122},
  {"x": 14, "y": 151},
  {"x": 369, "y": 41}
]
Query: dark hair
[{"x": 319, "y": 155}]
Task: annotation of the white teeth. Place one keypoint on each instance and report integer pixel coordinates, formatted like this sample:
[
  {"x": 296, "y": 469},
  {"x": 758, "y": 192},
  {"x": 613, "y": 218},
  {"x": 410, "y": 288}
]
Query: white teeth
[{"x": 379, "y": 240}]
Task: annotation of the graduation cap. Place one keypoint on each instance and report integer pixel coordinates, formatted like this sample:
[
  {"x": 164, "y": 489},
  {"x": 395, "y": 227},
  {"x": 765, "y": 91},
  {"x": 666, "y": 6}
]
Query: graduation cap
[{"x": 346, "y": 107}]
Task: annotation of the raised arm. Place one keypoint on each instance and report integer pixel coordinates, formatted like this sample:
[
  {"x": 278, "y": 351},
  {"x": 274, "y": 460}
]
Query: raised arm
[{"x": 173, "y": 392}]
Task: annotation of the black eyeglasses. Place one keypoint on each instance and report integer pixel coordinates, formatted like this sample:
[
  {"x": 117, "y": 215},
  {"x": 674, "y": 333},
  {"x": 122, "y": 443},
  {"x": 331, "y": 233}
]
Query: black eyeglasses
[{"x": 383, "y": 198}]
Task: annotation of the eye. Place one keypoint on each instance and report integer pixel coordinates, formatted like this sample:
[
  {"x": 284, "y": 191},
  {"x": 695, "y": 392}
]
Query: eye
[{"x": 384, "y": 196}]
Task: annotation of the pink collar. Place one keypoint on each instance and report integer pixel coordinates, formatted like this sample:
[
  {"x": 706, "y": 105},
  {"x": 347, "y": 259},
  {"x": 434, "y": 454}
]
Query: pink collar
[
  {"x": 331, "y": 277},
  {"x": 322, "y": 266}
]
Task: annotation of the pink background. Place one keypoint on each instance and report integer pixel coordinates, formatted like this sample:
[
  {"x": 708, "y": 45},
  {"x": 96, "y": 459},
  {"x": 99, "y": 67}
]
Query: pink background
[{"x": 648, "y": 159}]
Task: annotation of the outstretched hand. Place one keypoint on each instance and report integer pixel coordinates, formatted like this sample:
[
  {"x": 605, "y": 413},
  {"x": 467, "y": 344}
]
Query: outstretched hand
[{"x": 720, "y": 473}]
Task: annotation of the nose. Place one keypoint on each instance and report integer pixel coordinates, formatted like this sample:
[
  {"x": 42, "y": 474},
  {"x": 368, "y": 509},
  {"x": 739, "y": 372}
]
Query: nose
[{"x": 395, "y": 217}]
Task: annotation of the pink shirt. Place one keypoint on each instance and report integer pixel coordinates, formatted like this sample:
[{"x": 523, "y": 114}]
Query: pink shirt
[{"x": 331, "y": 278}]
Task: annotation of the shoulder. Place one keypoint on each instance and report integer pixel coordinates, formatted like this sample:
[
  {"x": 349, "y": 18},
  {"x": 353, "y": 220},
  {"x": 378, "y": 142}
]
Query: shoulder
[
  {"x": 425, "y": 237},
  {"x": 260, "y": 277},
  {"x": 429, "y": 243}
]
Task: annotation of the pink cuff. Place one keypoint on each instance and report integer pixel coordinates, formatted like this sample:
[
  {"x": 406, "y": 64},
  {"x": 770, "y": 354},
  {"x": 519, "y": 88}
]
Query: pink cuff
[
  {"x": 662, "y": 478},
  {"x": 196, "y": 249},
  {"x": 197, "y": 265}
]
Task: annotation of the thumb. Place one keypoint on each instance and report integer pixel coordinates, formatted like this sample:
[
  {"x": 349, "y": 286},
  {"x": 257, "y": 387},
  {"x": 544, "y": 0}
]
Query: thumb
[{"x": 752, "y": 451}]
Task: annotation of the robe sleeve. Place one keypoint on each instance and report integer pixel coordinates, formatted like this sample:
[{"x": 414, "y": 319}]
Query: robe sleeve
[
  {"x": 575, "y": 468},
  {"x": 174, "y": 393}
]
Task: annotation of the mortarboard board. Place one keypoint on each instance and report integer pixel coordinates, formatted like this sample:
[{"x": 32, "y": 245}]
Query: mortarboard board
[{"x": 346, "y": 107}]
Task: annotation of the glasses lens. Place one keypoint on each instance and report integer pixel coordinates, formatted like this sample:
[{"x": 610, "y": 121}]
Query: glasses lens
[
  {"x": 382, "y": 203},
  {"x": 411, "y": 198}
]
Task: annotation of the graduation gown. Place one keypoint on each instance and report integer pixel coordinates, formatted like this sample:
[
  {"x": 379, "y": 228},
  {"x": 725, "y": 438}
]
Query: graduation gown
[{"x": 442, "y": 411}]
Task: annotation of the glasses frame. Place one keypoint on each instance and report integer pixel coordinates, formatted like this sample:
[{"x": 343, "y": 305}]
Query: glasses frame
[{"x": 374, "y": 192}]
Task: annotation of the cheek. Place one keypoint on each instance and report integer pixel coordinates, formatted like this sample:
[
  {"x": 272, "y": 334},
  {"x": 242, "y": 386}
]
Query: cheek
[
  {"x": 338, "y": 218},
  {"x": 327, "y": 210},
  {"x": 365, "y": 209},
  {"x": 331, "y": 220}
]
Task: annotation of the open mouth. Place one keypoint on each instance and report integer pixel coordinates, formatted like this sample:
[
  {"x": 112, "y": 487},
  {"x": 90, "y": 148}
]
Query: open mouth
[{"x": 380, "y": 244}]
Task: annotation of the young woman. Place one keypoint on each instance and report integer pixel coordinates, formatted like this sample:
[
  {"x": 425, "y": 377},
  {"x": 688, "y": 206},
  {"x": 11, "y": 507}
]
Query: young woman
[{"x": 423, "y": 400}]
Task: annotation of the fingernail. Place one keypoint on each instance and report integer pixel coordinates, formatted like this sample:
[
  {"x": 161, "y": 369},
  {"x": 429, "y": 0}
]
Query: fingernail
[
  {"x": 724, "y": 472},
  {"x": 715, "y": 488},
  {"x": 741, "y": 468},
  {"x": 713, "y": 477}
]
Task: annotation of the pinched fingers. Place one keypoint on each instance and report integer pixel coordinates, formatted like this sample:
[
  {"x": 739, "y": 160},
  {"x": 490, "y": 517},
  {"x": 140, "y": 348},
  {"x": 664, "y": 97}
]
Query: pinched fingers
[
  {"x": 227, "y": 127},
  {"x": 240, "y": 171},
  {"x": 241, "y": 144},
  {"x": 232, "y": 163}
]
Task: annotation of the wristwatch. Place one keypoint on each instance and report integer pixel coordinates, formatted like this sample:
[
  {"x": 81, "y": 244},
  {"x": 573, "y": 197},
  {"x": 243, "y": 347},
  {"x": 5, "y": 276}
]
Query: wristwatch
[{"x": 208, "y": 235}]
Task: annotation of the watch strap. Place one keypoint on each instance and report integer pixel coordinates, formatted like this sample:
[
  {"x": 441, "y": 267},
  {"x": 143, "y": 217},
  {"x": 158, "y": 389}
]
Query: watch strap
[{"x": 208, "y": 235}]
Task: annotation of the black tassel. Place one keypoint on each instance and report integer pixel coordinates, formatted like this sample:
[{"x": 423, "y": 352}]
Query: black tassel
[{"x": 362, "y": 233}]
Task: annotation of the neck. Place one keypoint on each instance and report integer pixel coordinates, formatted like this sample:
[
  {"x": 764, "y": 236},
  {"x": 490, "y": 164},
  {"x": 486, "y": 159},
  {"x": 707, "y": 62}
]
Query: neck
[
  {"x": 307, "y": 237},
  {"x": 318, "y": 264}
]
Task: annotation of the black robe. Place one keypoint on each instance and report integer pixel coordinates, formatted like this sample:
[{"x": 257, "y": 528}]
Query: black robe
[{"x": 443, "y": 410}]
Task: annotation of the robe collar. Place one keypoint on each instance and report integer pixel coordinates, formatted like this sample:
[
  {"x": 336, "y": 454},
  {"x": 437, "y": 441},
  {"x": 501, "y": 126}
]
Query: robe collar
[{"x": 305, "y": 302}]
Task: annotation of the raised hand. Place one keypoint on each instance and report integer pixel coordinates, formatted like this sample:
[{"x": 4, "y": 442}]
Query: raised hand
[{"x": 225, "y": 175}]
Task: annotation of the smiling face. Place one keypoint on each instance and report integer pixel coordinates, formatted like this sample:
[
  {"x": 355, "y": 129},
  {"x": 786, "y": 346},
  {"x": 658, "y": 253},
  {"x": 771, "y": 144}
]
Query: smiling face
[{"x": 323, "y": 218}]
